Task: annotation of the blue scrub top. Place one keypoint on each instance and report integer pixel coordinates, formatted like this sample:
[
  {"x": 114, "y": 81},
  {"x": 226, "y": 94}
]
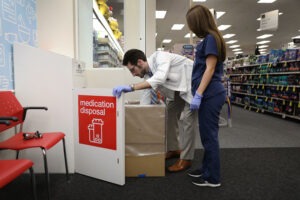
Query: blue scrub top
[{"x": 207, "y": 47}]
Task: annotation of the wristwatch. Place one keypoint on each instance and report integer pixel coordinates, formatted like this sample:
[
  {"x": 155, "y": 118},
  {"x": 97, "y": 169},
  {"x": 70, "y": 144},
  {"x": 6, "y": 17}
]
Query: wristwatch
[{"x": 132, "y": 87}]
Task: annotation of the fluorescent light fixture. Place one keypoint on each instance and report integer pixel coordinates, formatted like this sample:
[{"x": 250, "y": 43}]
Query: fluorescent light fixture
[
  {"x": 263, "y": 46},
  {"x": 160, "y": 49},
  {"x": 220, "y": 14},
  {"x": 228, "y": 35},
  {"x": 298, "y": 36},
  {"x": 264, "y": 36},
  {"x": 166, "y": 41},
  {"x": 236, "y": 49},
  {"x": 262, "y": 50},
  {"x": 263, "y": 42},
  {"x": 188, "y": 35},
  {"x": 280, "y": 13},
  {"x": 199, "y": 0},
  {"x": 177, "y": 26},
  {"x": 223, "y": 27},
  {"x": 238, "y": 52},
  {"x": 231, "y": 41},
  {"x": 266, "y": 1},
  {"x": 160, "y": 14},
  {"x": 234, "y": 46},
  {"x": 258, "y": 29},
  {"x": 155, "y": 34}
]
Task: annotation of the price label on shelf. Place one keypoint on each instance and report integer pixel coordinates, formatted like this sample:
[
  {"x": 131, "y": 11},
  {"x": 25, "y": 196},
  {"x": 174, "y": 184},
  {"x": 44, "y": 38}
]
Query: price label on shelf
[
  {"x": 285, "y": 64},
  {"x": 266, "y": 99},
  {"x": 287, "y": 88},
  {"x": 283, "y": 102},
  {"x": 294, "y": 89},
  {"x": 277, "y": 88},
  {"x": 267, "y": 76},
  {"x": 291, "y": 103},
  {"x": 257, "y": 110},
  {"x": 299, "y": 104},
  {"x": 263, "y": 86},
  {"x": 255, "y": 97}
]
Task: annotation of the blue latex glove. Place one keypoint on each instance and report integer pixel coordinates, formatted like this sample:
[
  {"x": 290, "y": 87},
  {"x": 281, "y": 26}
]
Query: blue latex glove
[
  {"x": 196, "y": 102},
  {"x": 117, "y": 91}
]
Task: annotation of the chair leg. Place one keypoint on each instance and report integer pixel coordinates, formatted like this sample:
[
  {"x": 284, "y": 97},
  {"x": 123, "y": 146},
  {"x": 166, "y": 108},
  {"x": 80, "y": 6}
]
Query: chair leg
[
  {"x": 33, "y": 183},
  {"x": 66, "y": 161},
  {"x": 17, "y": 155},
  {"x": 46, "y": 172}
]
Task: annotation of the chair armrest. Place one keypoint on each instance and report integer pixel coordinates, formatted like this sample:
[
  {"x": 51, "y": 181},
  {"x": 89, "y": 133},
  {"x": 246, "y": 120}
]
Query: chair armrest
[
  {"x": 5, "y": 118},
  {"x": 6, "y": 122},
  {"x": 32, "y": 108}
]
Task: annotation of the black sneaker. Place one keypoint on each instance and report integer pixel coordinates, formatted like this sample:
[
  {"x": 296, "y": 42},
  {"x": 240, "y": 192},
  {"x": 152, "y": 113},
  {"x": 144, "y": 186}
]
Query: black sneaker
[
  {"x": 195, "y": 173},
  {"x": 202, "y": 183}
]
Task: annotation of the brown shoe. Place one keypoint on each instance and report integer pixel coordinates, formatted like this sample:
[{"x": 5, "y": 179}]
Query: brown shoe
[
  {"x": 173, "y": 154},
  {"x": 180, "y": 165}
]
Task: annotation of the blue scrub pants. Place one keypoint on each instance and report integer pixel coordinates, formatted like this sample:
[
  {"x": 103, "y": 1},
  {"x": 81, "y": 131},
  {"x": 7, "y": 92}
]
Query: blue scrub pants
[{"x": 208, "y": 119}]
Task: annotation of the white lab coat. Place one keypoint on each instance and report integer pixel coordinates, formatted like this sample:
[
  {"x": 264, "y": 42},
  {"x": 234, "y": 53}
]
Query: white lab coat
[{"x": 171, "y": 72}]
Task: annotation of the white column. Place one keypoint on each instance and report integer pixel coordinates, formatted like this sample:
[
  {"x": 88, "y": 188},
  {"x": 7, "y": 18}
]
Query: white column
[{"x": 139, "y": 25}]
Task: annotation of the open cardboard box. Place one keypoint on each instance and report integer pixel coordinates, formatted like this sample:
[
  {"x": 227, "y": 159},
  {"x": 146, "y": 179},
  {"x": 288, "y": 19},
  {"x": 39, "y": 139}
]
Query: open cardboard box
[{"x": 145, "y": 140}]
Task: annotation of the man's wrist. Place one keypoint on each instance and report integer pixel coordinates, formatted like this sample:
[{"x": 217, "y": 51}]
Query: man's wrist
[{"x": 132, "y": 87}]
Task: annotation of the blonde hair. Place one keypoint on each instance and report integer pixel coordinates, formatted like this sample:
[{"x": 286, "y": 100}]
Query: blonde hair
[{"x": 201, "y": 22}]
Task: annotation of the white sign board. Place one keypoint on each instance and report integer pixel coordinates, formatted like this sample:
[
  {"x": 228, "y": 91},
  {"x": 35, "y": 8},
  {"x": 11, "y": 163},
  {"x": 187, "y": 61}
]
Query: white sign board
[
  {"x": 269, "y": 21},
  {"x": 99, "y": 135}
]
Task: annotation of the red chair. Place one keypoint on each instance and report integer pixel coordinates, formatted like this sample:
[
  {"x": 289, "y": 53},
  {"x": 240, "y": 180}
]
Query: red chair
[
  {"x": 10, "y": 107},
  {"x": 11, "y": 169}
]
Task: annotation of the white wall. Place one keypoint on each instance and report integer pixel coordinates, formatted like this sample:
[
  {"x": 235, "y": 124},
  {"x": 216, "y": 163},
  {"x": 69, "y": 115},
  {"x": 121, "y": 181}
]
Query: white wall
[{"x": 56, "y": 26}]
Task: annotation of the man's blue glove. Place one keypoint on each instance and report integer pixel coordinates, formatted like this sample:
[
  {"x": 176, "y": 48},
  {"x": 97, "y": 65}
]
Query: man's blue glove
[
  {"x": 117, "y": 91},
  {"x": 196, "y": 102}
]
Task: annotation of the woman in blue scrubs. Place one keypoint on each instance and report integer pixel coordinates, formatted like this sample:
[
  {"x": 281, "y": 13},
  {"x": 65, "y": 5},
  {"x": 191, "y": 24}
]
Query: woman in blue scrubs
[{"x": 208, "y": 92}]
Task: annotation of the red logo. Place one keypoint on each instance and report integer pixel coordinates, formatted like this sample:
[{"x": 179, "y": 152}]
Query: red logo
[{"x": 97, "y": 121}]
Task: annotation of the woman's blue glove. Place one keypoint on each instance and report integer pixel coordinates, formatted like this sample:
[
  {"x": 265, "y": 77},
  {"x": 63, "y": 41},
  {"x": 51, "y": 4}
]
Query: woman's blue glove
[
  {"x": 117, "y": 91},
  {"x": 196, "y": 102}
]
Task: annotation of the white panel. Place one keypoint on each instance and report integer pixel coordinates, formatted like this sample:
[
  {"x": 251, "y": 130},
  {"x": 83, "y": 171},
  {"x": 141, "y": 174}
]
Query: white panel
[
  {"x": 84, "y": 29},
  {"x": 112, "y": 77},
  {"x": 101, "y": 163},
  {"x": 44, "y": 78},
  {"x": 55, "y": 26}
]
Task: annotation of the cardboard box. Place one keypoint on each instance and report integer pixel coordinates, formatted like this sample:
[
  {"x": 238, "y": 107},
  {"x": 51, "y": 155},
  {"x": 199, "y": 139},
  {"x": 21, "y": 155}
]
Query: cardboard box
[
  {"x": 145, "y": 124},
  {"x": 145, "y": 140},
  {"x": 144, "y": 166}
]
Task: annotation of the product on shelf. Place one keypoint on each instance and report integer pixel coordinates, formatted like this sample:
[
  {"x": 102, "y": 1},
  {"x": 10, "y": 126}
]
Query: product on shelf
[{"x": 272, "y": 84}]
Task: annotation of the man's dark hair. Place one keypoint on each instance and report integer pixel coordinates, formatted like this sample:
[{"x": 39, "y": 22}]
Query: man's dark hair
[{"x": 132, "y": 56}]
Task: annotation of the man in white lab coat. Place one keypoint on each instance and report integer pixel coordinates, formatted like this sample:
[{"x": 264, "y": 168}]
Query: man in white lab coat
[{"x": 170, "y": 74}]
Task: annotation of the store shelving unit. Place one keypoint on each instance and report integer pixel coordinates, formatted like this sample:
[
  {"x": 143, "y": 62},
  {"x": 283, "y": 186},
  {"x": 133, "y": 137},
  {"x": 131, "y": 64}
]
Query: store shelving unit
[
  {"x": 107, "y": 49},
  {"x": 267, "y": 87}
]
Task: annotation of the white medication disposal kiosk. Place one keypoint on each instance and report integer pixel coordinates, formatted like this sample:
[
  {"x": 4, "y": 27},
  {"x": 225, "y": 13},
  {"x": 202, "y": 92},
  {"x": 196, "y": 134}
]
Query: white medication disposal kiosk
[{"x": 99, "y": 135}]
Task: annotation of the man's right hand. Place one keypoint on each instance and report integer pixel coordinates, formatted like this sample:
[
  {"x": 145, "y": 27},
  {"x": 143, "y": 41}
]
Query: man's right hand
[{"x": 117, "y": 91}]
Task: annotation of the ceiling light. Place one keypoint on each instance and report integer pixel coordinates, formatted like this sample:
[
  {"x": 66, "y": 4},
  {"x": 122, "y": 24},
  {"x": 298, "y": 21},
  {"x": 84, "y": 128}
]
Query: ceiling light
[
  {"x": 160, "y": 14},
  {"x": 231, "y": 41},
  {"x": 262, "y": 50},
  {"x": 228, "y": 35},
  {"x": 220, "y": 14},
  {"x": 238, "y": 52},
  {"x": 188, "y": 35},
  {"x": 166, "y": 41},
  {"x": 223, "y": 27},
  {"x": 177, "y": 26},
  {"x": 280, "y": 13},
  {"x": 234, "y": 46},
  {"x": 236, "y": 49},
  {"x": 258, "y": 29},
  {"x": 298, "y": 36},
  {"x": 160, "y": 49},
  {"x": 263, "y": 42},
  {"x": 266, "y": 1},
  {"x": 264, "y": 36},
  {"x": 199, "y": 0},
  {"x": 263, "y": 46}
]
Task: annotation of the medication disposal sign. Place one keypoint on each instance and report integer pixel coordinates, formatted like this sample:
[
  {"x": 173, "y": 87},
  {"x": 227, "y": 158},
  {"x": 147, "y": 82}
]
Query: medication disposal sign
[{"x": 99, "y": 134}]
